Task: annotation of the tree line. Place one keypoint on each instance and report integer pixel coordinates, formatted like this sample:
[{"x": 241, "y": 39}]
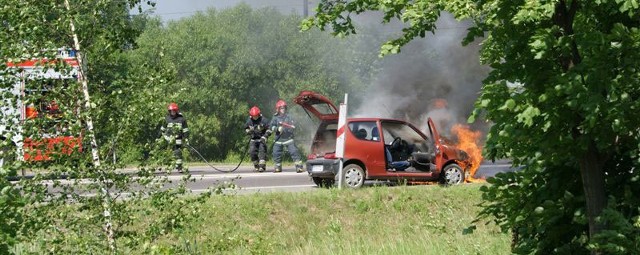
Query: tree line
[
  {"x": 218, "y": 64},
  {"x": 215, "y": 65}
]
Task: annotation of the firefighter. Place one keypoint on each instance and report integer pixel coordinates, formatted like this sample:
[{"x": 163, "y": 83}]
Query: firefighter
[
  {"x": 257, "y": 128},
  {"x": 283, "y": 126},
  {"x": 176, "y": 132}
]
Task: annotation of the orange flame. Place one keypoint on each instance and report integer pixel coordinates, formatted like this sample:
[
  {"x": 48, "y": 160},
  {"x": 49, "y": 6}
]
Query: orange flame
[{"x": 468, "y": 141}]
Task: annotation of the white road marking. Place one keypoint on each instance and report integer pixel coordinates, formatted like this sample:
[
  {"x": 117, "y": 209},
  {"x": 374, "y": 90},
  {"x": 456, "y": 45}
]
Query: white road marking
[
  {"x": 196, "y": 191},
  {"x": 242, "y": 175},
  {"x": 277, "y": 187},
  {"x": 193, "y": 176},
  {"x": 220, "y": 176},
  {"x": 497, "y": 165}
]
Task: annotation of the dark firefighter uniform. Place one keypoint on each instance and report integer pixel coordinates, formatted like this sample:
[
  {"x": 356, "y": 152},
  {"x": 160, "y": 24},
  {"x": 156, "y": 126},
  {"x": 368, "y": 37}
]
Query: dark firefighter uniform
[
  {"x": 257, "y": 128},
  {"x": 176, "y": 132},
  {"x": 283, "y": 126}
]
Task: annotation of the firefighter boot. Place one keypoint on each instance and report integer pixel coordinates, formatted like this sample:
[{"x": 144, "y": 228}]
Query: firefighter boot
[
  {"x": 255, "y": 166},
  {"x": 299, "y": 168},
  {"x": 278, "y": 168},
  {"x": 179, "y": 166},
  {"x": 262, "y": 165}
]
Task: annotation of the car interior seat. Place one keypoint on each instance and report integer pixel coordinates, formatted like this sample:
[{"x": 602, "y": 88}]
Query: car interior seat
[
  {"x": 361, "y": 134},
  {"x": 375, "y": 134},
  {"x": 396, "y": 165},
  {"x": 424, "y": 161}
]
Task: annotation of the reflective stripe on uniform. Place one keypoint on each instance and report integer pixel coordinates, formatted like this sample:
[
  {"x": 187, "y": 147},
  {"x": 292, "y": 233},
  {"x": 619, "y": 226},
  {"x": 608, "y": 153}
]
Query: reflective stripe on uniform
[
  {"x": 179, "y": 141},
  {"x": 285, "y": 142},
  {"x": 185, "y": 130},
  {"x": 262, "y": 161}
]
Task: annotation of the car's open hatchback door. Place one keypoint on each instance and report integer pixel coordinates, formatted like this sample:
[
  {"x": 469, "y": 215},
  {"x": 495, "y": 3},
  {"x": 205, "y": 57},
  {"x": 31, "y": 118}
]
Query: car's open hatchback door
[{"x": 317, "y": 104}]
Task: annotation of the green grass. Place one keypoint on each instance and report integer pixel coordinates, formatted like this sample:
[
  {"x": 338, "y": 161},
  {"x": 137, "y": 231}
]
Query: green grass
[
  {"x": 372, "y": 220},
  {"x": 377, "y": 220}
]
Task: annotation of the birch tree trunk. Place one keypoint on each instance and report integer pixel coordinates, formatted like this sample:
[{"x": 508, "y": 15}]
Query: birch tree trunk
[{"x": 106, "y": 196}]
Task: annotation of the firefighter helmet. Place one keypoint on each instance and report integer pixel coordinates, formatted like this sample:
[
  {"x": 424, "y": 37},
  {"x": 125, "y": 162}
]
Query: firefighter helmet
[
  {"x": 31, "y": 111},
  {"x": 280, "y": 103},
  {"x": 173, "y": 107},
  {"x": 53, "y": 106},
  {"x": 254, "y": 112}
]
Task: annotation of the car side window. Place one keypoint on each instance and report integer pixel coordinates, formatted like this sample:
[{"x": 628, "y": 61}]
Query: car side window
[
  {"x": 365, "y": 130},
  {"x": 406, "y": 133}
]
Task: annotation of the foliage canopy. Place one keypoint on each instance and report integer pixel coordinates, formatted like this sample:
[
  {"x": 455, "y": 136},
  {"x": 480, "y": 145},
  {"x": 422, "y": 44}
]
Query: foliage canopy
[
  {"x": 563, "y": 96},
  {"x": 100, "y": 197}
]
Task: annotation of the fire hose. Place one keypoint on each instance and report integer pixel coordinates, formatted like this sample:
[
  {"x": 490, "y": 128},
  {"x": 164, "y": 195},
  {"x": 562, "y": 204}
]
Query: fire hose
[
  {"x": 241, "y": 158},
  {"x": 215, "y": 168},
  {"x": 279, "y": 134}
]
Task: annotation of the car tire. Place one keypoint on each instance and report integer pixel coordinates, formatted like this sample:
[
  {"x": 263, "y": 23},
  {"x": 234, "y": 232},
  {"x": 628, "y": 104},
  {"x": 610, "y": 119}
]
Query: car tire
[
  {"x": 353, "y": 176},
  {"x": 323, "y": 182},
  {"x": 452, "y": 174}
]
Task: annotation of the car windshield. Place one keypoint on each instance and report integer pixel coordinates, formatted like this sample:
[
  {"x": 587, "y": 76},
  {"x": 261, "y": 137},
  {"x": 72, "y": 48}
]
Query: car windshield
[{"x": 391, "y": 130}]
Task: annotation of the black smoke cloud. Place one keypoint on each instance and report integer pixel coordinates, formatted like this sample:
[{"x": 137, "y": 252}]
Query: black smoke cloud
[{"x": 437, "y": 66}]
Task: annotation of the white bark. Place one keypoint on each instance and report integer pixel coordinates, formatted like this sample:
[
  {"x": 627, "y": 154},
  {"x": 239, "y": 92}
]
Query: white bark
[{"x": 107, "y": 199}]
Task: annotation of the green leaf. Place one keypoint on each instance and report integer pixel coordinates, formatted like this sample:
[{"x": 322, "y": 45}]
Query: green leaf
[
  {"x": 526, "y": 117},
  {"x": 508, "y": 105},
  {"x": 542, "y": 98},
  {"x": 471, "y": 119},
  {"x": 484, "y": 103}
]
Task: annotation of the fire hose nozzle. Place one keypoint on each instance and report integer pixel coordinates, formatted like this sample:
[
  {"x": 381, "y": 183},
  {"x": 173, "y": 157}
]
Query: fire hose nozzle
[{"x": 287, "y": 125}]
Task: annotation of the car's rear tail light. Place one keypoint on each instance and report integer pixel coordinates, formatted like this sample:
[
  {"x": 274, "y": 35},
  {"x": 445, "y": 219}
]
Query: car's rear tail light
[
  {"x": 311, "y": 156},
  {"x": 330, "y": 155}
]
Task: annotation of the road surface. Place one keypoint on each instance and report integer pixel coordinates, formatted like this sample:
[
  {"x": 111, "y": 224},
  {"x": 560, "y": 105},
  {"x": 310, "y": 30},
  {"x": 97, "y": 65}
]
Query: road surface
[
  {"x": 245, "y": 180},
  {"x": 248, "y": 181}
]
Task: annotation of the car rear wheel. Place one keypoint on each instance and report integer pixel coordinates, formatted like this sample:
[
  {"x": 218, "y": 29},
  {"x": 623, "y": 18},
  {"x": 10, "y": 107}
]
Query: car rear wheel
[
  {"x": 452, "y": 174},
  {"x": 323, "y": 182},
  {"x": 353, "y": 176}
]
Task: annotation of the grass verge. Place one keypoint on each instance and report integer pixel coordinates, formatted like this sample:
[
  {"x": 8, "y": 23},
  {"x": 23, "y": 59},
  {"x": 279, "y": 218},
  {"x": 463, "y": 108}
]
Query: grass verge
[{"x": 379, "y": 220}]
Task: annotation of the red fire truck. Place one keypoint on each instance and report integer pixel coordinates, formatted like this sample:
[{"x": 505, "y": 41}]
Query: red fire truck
[{"x": 32, "y": 126}]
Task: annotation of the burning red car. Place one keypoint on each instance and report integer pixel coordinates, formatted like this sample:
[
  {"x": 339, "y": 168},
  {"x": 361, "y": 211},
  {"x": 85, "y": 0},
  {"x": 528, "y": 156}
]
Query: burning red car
[{"x": 378, "y": 149}]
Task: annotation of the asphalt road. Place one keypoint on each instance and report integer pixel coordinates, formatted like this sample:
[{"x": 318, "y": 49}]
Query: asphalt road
[{"x": 247, "y": 181}]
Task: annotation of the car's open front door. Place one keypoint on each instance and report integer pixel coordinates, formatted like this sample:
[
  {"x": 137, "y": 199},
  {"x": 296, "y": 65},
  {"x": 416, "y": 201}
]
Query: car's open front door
[{"x": 436, "y": 142}]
